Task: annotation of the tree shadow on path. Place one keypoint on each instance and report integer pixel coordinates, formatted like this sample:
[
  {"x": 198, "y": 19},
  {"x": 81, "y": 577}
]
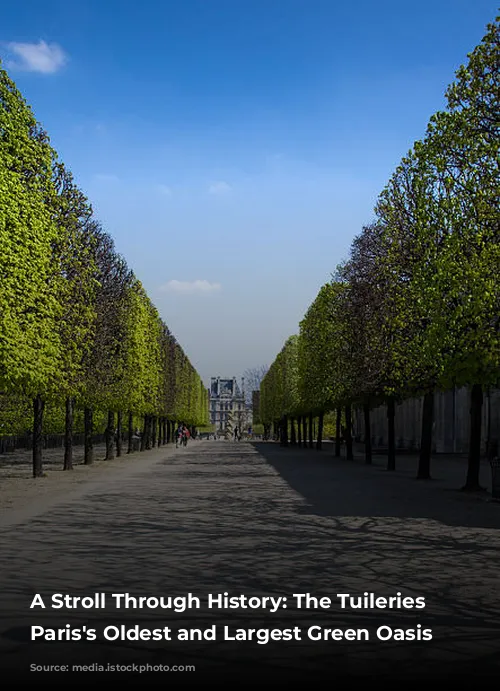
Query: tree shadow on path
[{"x": 337, "y": 487}]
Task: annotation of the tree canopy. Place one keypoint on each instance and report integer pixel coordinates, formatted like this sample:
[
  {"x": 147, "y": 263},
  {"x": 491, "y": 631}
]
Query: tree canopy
[
  {"x": 75, "y": 322},
  {"x": 416, "y": 306}
]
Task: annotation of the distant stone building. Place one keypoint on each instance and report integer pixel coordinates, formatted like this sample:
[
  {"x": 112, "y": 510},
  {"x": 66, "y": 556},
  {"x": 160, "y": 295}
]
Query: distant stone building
[{"x": 227, "y": 406}]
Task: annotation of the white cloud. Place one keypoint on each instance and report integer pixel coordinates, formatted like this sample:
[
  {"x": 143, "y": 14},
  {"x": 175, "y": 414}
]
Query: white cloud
[
  {"x": 219, "y": 187},
  {"x": 190, "y": 287},
  {"x": 46, "y": 58}
]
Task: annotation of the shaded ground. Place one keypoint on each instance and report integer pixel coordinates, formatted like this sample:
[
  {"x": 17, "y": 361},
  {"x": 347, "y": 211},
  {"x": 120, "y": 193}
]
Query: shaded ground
[
  {"x": 373, "y": 491},
  {"x": 18, "y": 487},
  {"x": 257, "y": 519}
]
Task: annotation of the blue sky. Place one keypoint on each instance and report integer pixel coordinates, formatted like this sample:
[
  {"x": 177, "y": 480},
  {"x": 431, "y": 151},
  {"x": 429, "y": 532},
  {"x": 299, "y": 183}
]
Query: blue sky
[{"x": 233, "y": 148}]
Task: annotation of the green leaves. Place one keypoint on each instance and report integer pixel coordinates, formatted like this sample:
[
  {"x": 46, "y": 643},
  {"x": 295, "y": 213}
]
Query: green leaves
[
  {"x": 417, "y": 305},
  {"x": 74, "y": 320},
  {"x": 30, "y": 346}
]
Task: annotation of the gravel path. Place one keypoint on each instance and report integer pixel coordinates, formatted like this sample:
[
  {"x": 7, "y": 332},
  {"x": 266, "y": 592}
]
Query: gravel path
[{"x": 256, "y": 520}]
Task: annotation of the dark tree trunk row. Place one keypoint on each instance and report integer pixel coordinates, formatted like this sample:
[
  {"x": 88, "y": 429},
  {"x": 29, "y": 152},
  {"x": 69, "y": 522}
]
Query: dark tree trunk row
[
  {"x": 474, "y": 459},
  {"x": 130, "y": 432},
  {"x": 88, "y": 421},
  {"x": 119, "y": 433},
  {"x": 38, "y": 406},
  {"x": 68, "y": 435},
  {"x": 338, "y": 432},
  {"x": 289, "y": 434},
  {"x": 348, "y": 433},
  {"x": 110, "y": 436},
  {"x": 319, "y": 438},
  {"x": 157, "y": 432}
]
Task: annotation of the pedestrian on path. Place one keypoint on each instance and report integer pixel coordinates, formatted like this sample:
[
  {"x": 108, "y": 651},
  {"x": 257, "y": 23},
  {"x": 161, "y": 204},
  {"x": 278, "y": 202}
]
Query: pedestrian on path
[
  {"x": 185, "y": 435},
  {"x": 178, "y": 436}
]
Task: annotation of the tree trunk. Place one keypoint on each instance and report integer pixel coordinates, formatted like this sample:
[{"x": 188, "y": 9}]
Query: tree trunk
[
  {"x": 319, "y": 440},
  {"x": 154, "y": 424},
  {"x": 391, "y": 442},
  {"x": 285, "y": 430},
  {"x": 38, "y": 406},
  {"x": 130, "y": 432},
  {"x": 144, "y": 432},
  {"x": 88, "y": 421},
  {"x": 348, "y": 433},
  {"x": 68, "y": 435},
  {"x": 110, "y": 436},
  {"x": 161, "y": 431},
  {"x": 338, "y": 432},
  {"x": 311, "y": 440},
  {"x": 119, "y": 432},
  {"x": 293, "y": 438},
  {"x": 424, "y": 460},
  {"x": 169, "y": 431},
  {"x": 149, "y": 432},
  {"x": 474, "y": 460},
  {"x": 299, "y": 433},
  {"x": 490, "y": 453},
  {"x": 368, "y": 434},
  {"x": 304, "y": 431}
]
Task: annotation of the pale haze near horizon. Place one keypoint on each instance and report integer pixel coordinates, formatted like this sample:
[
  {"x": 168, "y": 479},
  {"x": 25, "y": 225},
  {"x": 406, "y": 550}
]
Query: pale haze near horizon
[{"x": 233, "y": 150}]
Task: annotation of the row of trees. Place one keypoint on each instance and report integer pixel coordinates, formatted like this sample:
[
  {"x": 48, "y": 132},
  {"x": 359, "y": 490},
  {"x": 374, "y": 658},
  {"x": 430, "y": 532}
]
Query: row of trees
[
  {"x": 416, "y": 307},
  {"x": 77, "y": 329}
]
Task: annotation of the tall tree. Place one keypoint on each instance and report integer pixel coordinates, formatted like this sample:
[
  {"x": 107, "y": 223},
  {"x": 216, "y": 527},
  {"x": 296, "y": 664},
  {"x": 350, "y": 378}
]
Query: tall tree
[
  {"x": 73, "y": 213},
  {"x": 30, "y": 309},
  {"x": 253, "y": 378}
]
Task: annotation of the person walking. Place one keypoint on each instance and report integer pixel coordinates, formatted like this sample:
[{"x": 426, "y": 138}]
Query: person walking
[
  {"x": 185, "y": 435},
  {"x": 178, "y": 436}
]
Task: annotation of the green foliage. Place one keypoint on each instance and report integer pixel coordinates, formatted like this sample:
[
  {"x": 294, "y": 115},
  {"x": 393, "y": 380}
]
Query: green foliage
[
  {"x": 30, "y": 346},
  {"x": 417, "y": 305},
  {"x": 78, "y": 285},
  {"x": 324, "y": 351},
  {"x": 280, "y": 386},
  {"x": 74, "y": 320}
]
